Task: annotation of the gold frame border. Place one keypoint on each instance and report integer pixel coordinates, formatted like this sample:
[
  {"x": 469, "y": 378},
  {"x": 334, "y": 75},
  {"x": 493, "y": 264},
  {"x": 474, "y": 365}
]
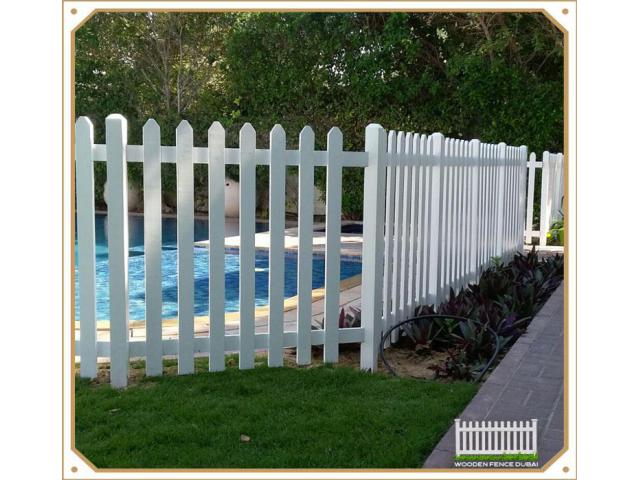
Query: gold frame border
[{"x": 568, "y": 233}]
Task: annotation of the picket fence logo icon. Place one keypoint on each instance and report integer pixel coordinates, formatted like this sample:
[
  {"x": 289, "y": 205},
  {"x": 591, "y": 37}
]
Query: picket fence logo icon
[{"x": 496, "y": 444}]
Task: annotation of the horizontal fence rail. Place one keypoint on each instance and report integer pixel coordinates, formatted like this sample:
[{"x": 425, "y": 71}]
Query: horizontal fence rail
[
  {"x": 436, "y": 210},
  {"x": 496, "y": 437}
]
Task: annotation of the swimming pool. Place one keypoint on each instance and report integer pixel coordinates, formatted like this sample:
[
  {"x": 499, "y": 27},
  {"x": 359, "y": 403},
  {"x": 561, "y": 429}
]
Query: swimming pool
[{"x": 349, "y": 267}]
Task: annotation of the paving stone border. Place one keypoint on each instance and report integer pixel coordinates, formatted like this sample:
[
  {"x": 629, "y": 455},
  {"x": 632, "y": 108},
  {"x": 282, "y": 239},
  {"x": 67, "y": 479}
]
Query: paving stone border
[{"x": 528, "y": 383}]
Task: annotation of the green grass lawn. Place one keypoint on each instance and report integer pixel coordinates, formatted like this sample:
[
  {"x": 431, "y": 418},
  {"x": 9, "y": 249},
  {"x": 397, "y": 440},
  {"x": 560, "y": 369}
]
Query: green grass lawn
[{"x": 322, "y": 417}]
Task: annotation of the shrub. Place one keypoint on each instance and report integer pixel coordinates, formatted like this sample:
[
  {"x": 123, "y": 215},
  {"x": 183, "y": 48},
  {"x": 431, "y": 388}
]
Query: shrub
[{"x": 504, "y": 300}]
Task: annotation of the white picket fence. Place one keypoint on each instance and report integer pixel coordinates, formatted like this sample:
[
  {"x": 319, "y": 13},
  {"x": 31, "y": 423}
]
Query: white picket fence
[
  {"x": 451, "y": 205},
  {"x": 436, "y": 210},
  {"x": 496, "y": 437},
  {"x": 551, "y": 194}
]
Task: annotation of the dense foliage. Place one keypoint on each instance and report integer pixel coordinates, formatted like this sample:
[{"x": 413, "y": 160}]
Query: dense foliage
[
  {"x": 503, "y": 301},
  {"x": 497, "y": 77}
]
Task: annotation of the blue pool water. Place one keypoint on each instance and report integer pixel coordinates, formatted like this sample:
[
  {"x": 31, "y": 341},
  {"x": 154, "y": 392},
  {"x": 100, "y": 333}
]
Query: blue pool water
[{"x": 349, "y": 267}]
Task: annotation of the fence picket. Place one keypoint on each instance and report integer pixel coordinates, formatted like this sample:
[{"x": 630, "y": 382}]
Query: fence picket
[
  {"x": 414, "y": 148},
  {"x": 435, "y": 224},
  {"x": 152, "y": 247},
  {"x": 118, "y": 244},
  {"x": 185, "y": 199},
  {"x": 247, "y": 245},
  {"x": 277, "y": 172},
  {"x": 86, "y": 247},
  {"x": 428, "y": 172},
  {"x": 523, "y": 197},
  {"x": 398, "y": 233},
  {"x": 389, "y": 235},
  {"x": 333, "y": 221},
  {"x": 420, "y": 171},
  {"x": 406, "y": 228},
  {"x": 217, "y": 183},
  {"x": 531, "y": 182},
  {"x": 305, "y": 244},
  {"x": 475, "y": 200}
]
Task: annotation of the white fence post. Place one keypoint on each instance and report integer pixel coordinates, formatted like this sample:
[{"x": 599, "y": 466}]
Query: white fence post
[
  {"x": 217, "y": 182},
  {"x": 247, "y": 245},
  {"x": 372, "y": 246},
  {"x": 305, "y": 243},
  {"x": 277, "y": 173},
  {"x": 86, "y": 229},
  {"x": 152, "y": 246},
  {"x": 118, "y": 240}
]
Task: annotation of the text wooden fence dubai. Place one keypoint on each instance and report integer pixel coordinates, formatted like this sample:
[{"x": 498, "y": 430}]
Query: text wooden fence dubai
[
  {"x": 496, "y": 437},
  {"x": 551, "y": 194},
  {"x": 436, "y": 210}
]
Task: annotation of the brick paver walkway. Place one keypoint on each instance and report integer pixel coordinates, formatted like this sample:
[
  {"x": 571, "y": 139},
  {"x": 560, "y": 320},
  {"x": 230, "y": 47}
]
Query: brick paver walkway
[{"x": 528, "y": 383}]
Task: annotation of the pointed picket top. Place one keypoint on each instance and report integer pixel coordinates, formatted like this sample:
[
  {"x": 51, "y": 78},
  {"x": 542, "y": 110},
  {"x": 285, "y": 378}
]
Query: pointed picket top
[
  {"x": 307, "y": 134},
  {"x": 277, "y": 130},
  {"x": 216, "y": 138},
  {"x": 247, "y": 136},
  {"x": 216, "y": 128},
  {"x": 277, "y": 136},
  {"x": 184, "y": 127},
  {"x": 151, "y": 123},
  {"x": 151, "y": 128},
  {"x": 247, "y": 129},
  {"x": 334, "y": 138}
]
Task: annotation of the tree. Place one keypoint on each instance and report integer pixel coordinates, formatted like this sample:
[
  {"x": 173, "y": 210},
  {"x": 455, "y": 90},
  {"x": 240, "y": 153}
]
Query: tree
[{"x": 493, "y": 76}]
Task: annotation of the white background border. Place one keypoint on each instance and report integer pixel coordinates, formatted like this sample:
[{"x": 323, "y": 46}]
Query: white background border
[{"x": 31, "y": 241}]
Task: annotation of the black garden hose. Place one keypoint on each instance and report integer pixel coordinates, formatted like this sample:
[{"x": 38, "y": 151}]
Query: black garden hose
[{"x": 432, "y": 317}]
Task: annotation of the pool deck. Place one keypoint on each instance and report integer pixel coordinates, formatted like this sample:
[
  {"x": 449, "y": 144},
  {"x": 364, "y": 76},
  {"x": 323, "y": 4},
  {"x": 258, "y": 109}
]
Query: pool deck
[
  {"x": 349, "y": 296},
  {"x": 351, "y": 244}
]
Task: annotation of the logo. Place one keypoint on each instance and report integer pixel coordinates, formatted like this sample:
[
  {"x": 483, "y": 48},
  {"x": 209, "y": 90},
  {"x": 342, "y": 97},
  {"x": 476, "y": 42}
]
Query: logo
[{"x": 496, "y": 444}]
